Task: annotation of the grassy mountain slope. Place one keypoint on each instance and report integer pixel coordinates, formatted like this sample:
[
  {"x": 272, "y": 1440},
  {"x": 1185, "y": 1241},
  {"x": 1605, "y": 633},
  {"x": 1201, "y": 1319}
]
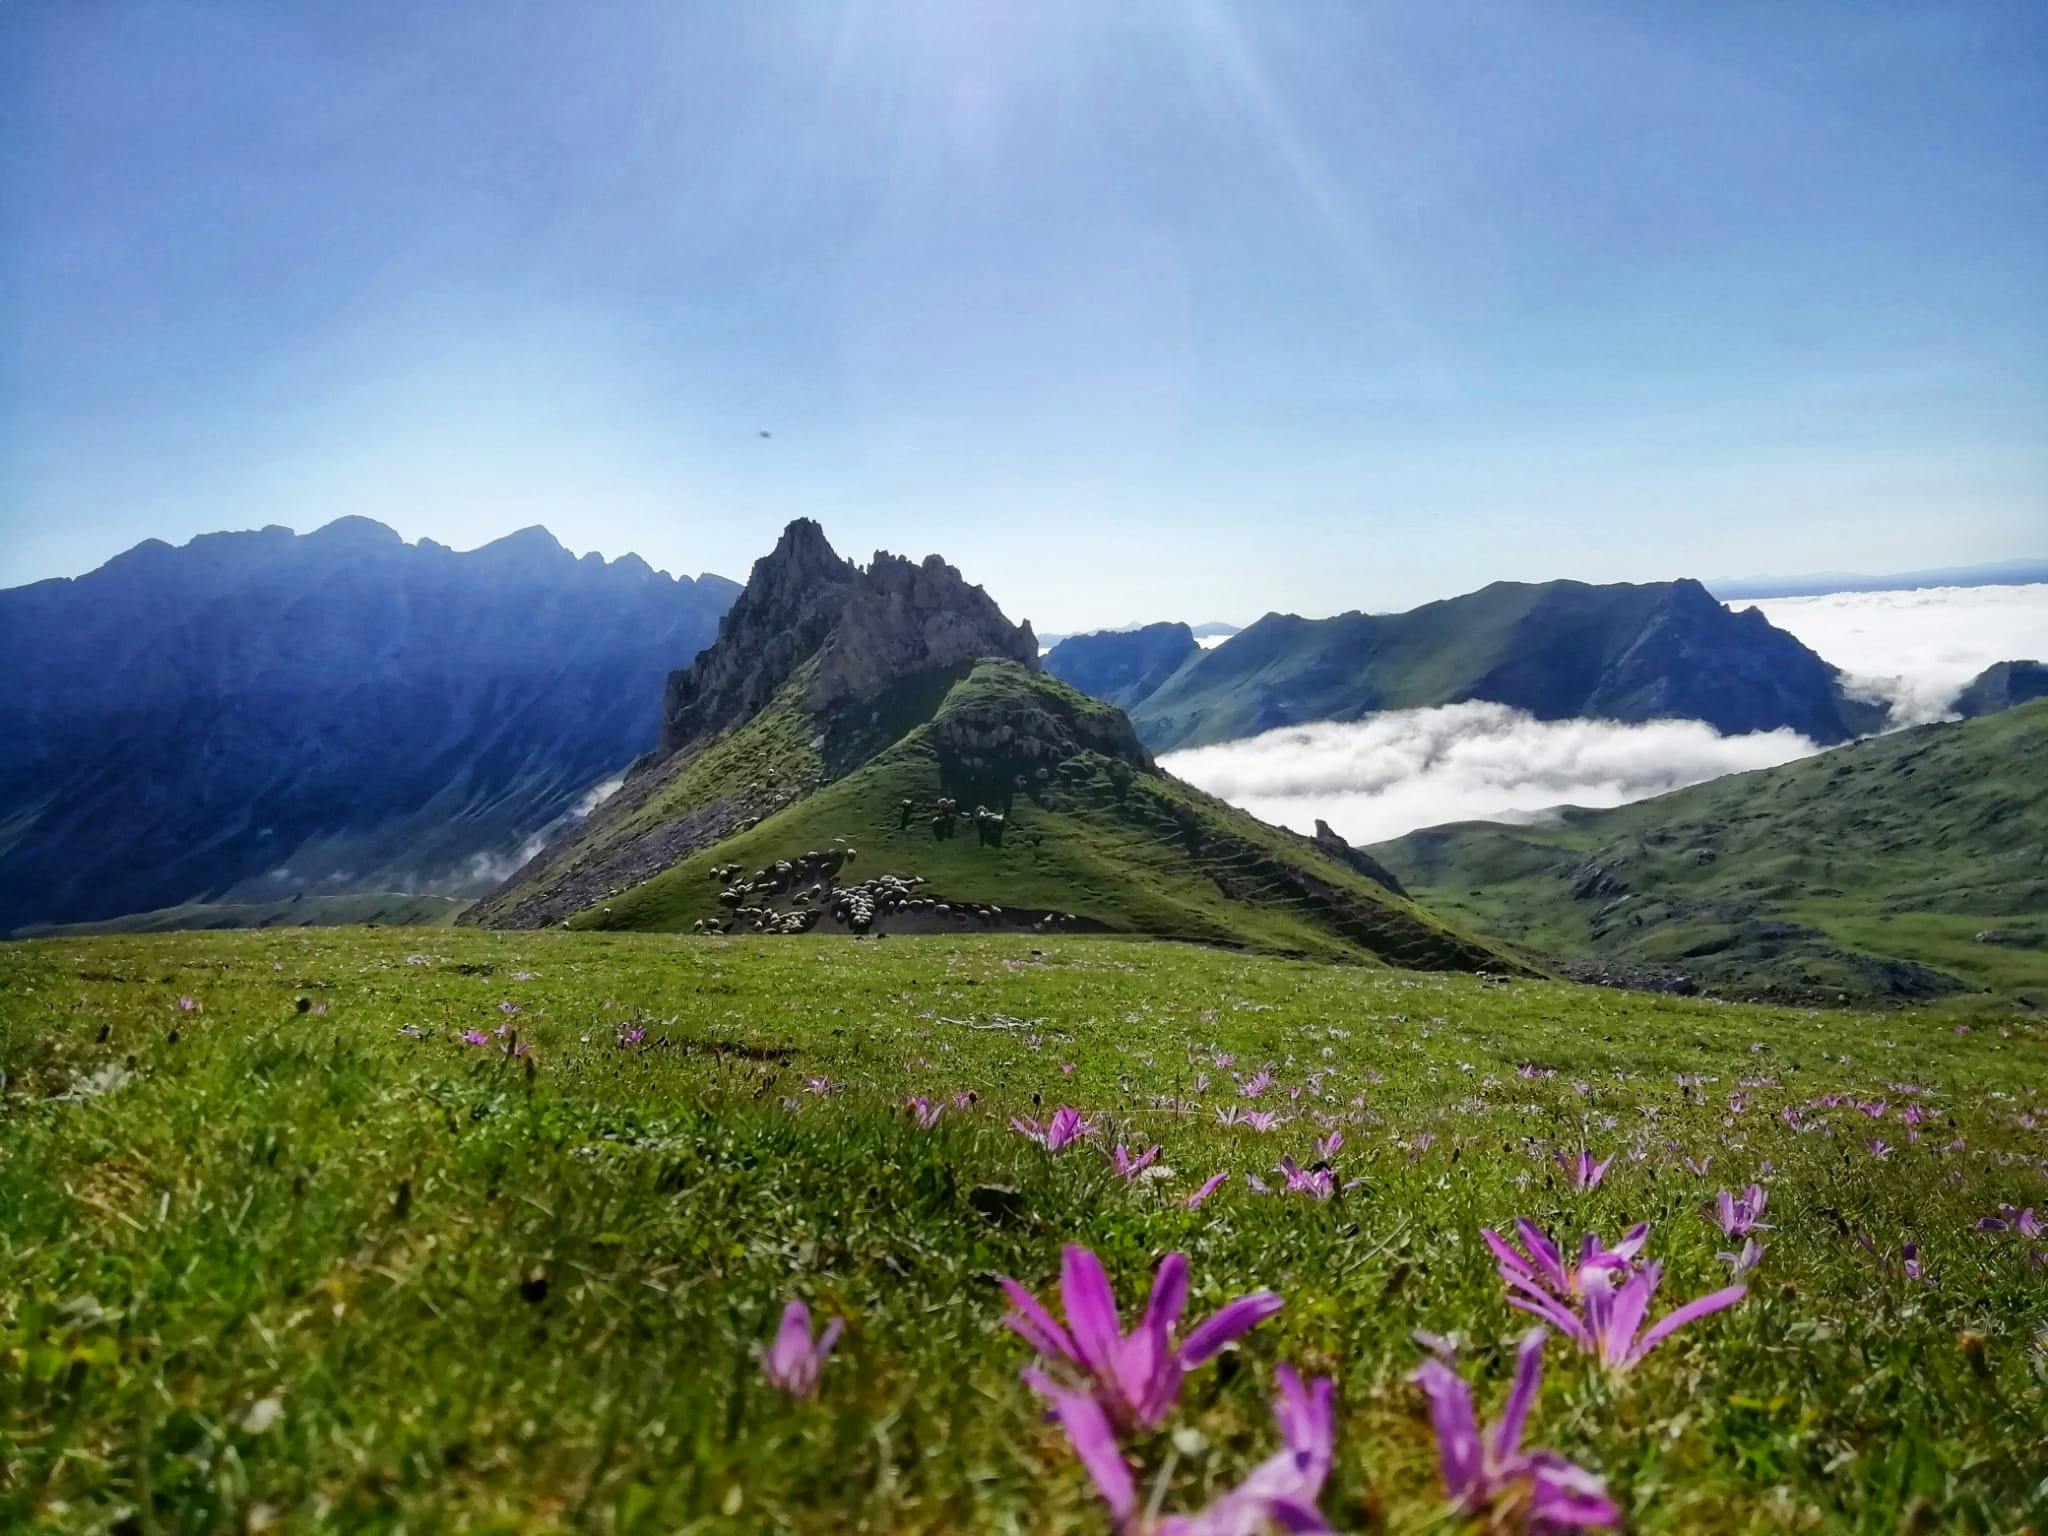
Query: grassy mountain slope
[
  {"x": 1871, "y": 870},
  {"x": 1556, "y": 649},
  {"x": 1090, "y": 830}
]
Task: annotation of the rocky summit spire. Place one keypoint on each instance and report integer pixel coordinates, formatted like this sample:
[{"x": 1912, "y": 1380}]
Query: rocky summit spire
[{"x": 865, "y": 629}]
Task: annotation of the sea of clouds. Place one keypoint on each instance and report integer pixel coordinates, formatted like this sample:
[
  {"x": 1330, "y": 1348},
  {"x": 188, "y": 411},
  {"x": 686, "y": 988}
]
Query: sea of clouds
[
  {"x": 1402, "y": 769},
  {"x": 1915, "y": 650}
]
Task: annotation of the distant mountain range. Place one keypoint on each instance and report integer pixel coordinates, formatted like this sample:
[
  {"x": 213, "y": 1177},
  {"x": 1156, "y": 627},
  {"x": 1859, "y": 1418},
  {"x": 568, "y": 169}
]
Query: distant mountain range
[
  {"x": 1999, "y": 573},
  {"x": 1908, "y": 867},
  {"x": 258, "y": 716},
  {"x": 875, "y": 750},
  {"x": 1559, "y": 649}
]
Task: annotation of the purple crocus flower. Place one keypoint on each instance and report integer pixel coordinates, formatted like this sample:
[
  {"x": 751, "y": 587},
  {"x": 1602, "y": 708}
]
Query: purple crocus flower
[
  {"x": 1878, "y": 1147},
  {"x": 1281, "y": 1491},
  {"x": 632, "y": 1035},
  {"x": 1135, "y": 1378},
  {"x": 819, "y": 1085},
  {"x": 792, "y": 1362},
  {"x": 1697, "y": 1167},
  {"x": 1742, "y": 1214},
  {"x": 1586, "y": 1174},
  {"x": 1538, "y": 1269},
  {"x": 924, "y": 1111},
  {"x": 1613, "y": 1326},
  {"x": 1317, "y": 1182},
  {"x": 1129, "y": 1167},
  {"x": 1909, "y": 1256},
  {"x": 188, "y": 1004},
  {"x": 1061, "y": 1131},
  {"x": 508, "y": 1008},
  {"x": 1256, "y": 1084},
  {"x": 2012, "y": 1219},
  {"x": 475, "y": 1037},
  {"x": 1262, "y": 1119},
  {"x": 1330, "y": 1145},
  {"x": 1482, "y": 1473},
  {"x": 1209, "y": 1187},
  {"x": 1745, "y": 1260}
]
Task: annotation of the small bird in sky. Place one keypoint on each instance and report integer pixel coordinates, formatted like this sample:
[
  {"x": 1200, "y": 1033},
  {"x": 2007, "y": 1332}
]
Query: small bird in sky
[{"x": 766, "y": 433}]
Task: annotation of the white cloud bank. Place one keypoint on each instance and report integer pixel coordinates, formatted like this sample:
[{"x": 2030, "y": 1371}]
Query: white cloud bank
[
  {"x": 1916, "y": 650},
  {"x": 1402, "y": 769},
  {"x": 1387, "y": 775}
]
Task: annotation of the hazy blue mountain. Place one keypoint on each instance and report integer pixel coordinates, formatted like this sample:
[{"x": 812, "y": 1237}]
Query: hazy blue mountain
[
  {"x": 255, "y": 715},
  {"x": 1559, "y": 650},
  {"x": 1122, "y": 666}
]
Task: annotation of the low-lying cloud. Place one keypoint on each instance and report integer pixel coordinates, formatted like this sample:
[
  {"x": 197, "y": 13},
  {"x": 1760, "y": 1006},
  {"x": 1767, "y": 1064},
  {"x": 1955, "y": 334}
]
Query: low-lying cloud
[
  {"x": 1393, "y": 772},
  {"x": 488, "y": 868},
  {"x": 1916, "y": 650}
]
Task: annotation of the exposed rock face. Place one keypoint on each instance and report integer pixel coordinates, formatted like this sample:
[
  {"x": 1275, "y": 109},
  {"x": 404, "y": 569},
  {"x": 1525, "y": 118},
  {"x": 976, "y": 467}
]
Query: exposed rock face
[
  {"x": 1330, "y": 842},
  {"x": 2003, "y": 685},
  {"x": 257, "y": 715},
  {"x": 866, "y": 629},
  {"x": 1121, "y": 667}
]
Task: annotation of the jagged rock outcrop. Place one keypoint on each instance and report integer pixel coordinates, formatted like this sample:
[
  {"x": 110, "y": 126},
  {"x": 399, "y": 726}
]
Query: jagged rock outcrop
[
  {"x": 1330, "y": 842},
  {"x": 865, "y": 628},
  {"x": 2003, "y": 685}
]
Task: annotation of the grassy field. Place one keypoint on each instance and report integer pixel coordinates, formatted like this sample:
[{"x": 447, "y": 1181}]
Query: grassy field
[{"x": 301, "y": 1256}]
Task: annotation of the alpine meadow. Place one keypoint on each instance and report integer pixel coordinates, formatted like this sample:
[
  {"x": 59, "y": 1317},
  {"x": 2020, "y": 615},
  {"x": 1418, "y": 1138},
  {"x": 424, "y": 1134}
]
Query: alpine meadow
[{"x": 896, "y": 768}]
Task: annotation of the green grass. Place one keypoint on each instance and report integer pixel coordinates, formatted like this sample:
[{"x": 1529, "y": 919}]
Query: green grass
[
  {"x": 1895, "y": 848},
  {"x": 1128, "y": 851},
  {"x": 397, "y": 908},
  {"x": 484, "y": 1295}
]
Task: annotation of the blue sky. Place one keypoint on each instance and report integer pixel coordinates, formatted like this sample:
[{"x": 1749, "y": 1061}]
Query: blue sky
[{"x": 1133, "y": 310}]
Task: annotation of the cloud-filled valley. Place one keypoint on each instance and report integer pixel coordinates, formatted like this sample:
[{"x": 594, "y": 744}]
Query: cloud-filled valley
[
  {"x": 1403, "y": 769},
  {"x": 1916, "y": 650}
]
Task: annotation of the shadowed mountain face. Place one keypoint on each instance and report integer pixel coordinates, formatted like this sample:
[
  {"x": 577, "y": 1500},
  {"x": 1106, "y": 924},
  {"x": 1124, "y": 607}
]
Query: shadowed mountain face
[
  {"x": 258, "y": 714},
  {"x": 1559, "y": 650},
  {"x": 875, "y": 750},
  {"x": 1122, "y": 667}
]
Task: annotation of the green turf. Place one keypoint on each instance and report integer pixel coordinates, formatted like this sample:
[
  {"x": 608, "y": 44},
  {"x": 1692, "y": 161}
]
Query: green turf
[
  {"x": 280, "y": 1269},
  {"x": 1896, "y": 848}
]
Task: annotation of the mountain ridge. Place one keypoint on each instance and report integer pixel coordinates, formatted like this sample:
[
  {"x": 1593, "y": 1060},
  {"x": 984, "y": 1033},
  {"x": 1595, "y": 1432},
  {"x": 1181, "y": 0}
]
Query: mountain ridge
[
  {"x": 1558, "y": 650},
  {"x": 875, "y": 750},
  {"x": 257, "y": 713}
]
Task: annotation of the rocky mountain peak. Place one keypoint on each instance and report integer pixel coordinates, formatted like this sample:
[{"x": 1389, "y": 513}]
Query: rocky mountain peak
[{"x": 866, "y": 628}]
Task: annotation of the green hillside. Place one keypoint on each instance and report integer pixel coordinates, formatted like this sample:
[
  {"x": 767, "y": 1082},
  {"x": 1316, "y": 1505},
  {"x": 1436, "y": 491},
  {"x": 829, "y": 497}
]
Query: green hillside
[
  {"x": 1092, "y": 838},
  {"x": 1909, "y": 866}
]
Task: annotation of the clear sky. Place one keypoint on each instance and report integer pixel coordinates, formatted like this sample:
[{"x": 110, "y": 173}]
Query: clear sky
[{"x": 1133, "y": 310}]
